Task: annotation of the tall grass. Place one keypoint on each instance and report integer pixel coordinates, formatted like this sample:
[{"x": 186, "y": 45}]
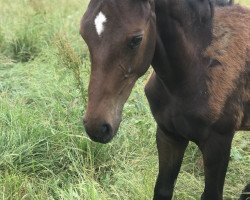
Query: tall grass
[
  {"x": 69, "y": 59},
  {"x": 44, "y": 151}
]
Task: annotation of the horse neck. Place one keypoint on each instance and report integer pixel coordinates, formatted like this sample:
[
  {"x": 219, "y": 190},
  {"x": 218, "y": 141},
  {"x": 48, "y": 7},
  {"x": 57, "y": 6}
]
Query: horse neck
[{"x": 179, "y": 47}]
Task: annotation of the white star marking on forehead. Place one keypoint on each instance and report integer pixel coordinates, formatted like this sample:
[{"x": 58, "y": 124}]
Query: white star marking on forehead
[{"x": 99, "y": 23}]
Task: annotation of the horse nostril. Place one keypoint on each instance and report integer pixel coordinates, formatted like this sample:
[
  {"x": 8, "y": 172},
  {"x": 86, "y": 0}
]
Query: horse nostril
[{"x": 105, "y": 129}]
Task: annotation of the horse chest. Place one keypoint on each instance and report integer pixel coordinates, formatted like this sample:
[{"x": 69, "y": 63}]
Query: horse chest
[
  {"x": 181, "y": 118},
  {"x": 192, "y": 117}
]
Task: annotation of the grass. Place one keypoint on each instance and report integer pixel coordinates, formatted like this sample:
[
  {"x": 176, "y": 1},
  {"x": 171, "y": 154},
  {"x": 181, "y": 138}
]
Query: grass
[{"x": 44, "y": 151}]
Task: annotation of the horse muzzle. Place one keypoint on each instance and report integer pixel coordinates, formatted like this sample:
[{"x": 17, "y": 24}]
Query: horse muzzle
[{"x": 100, "y": 131}]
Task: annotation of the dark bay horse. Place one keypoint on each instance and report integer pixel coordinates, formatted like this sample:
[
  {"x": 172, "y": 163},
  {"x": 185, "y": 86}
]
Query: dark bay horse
[{"x": 200, "y": 88}]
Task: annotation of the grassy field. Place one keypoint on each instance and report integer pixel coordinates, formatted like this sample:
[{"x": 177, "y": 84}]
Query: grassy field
[{"x": 44, "y": 151}]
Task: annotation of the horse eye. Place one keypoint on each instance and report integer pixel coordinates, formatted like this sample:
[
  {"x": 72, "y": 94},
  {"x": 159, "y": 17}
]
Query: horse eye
[{"x": 135, "y": 42}]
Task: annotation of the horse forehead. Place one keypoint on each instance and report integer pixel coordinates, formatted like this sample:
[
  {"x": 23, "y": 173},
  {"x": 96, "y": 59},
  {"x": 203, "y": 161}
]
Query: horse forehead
[
  {"x": 100, "y": 21},
  {"x": 104, "y": 18}
]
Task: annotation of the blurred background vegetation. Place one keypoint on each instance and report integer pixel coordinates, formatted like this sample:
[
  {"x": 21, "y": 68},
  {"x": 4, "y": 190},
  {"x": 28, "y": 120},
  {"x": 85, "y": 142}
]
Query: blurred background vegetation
[{"x": 44, "y": 151}]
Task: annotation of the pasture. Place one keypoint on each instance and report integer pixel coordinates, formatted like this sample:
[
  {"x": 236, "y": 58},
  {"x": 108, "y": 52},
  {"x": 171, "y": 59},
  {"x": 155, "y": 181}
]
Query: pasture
[{"x": 44, "y": 151}]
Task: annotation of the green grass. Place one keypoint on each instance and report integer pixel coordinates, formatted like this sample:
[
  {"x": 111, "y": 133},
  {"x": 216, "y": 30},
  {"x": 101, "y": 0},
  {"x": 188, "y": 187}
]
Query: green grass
[
  {"x": 244, "y": 2},
  {"x": 44, "y": 152}
]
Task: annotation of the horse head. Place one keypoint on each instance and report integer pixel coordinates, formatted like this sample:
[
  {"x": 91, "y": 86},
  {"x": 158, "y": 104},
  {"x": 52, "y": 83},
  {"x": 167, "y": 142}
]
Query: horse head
[{"x": 120, "y": 36}]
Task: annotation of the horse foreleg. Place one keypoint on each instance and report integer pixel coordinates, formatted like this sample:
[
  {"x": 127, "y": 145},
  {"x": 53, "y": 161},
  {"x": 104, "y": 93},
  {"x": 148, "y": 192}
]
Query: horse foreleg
[
  {"x": 216, "y": 153},
  {"x": 170, "y": 153}
]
